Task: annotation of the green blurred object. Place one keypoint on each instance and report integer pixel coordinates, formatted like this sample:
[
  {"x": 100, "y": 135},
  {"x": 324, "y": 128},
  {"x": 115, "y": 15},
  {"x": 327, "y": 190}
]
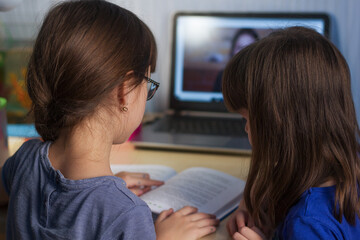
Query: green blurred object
[
  {"x": 4, "y": 147},
  {"x": 2, "y": 103}
]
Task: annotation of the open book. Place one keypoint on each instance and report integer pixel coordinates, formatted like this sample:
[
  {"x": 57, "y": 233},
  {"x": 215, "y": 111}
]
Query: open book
[{"x": 209, "y": 190}]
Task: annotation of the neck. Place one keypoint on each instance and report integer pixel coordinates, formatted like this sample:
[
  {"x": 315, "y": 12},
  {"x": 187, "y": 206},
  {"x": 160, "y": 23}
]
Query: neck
[
  {"x": 84, "y": 153},
  {"x": 328, "y": 183}
]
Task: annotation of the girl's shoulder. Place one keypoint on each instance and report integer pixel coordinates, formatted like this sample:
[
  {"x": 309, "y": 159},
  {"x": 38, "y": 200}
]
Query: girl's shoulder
[
  {"x": 26, "y": 156},
  {"x": 312, "y": 216},
  {"x": 316, "y": 203},
  {"x": 30, "y": 146},
  {"x": 30, "y": 150}
]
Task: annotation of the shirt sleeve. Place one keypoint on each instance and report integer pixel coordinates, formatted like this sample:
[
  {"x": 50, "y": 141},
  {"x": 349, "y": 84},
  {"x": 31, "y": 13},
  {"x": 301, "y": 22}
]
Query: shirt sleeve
[
  {"x": 308, "y": 228},
  {"x": 11, "y": 165},
  {"x": 8, "y": 173},
  {"x": 137, "y": 223}
]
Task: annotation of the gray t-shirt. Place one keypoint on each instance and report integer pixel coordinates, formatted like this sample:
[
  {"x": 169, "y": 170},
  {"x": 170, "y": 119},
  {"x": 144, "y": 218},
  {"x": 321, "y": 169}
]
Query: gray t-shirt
[{"x": 45, "y": 205}]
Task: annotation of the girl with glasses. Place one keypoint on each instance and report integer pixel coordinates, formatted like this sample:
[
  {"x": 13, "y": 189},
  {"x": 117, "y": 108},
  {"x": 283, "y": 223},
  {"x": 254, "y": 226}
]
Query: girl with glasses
[
  {"x": 293, "y": 88},
  {"x": 86, "y": 82}
]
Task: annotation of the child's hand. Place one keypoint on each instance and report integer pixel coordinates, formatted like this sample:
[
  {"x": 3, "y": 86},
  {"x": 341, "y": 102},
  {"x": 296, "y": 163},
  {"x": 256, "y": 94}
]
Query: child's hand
[
  {"x": 186, "y": 223},
  {"x": 239, "y": 219},
  {"x": 241, "y": 226},
  {"x": 246, "y": 233},
  {"x": 138, "y": 183}
]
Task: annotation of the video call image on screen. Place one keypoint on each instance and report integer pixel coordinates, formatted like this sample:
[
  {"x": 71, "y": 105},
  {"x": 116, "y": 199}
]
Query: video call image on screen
[{"x": 204, "y": 44}]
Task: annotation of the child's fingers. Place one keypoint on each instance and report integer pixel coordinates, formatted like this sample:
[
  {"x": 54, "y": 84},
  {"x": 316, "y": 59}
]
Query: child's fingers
[
  {"x": 137, "y": 191},
  {"x": 250, "y": 233},
  {"x": 132, "y": 181},
  {"x": 200, "y": 215},
  {"x": 241, "y": 220},
  {"x": 147, "y": 182},
  {"x": 231, "y": 226},
  {"x": 140, "y": 175},
  {"x": 133, "y": 174},
  {"x": 145, "y": 189},
  {"x": 163, "y": 215},
  {"x": 238, "y": 236},
  {"x": 207, "y": 222},
  {"x": 205, "y": 231},
  {"x": 187, "y": 210},
  {"x": 138, "y": 179}
]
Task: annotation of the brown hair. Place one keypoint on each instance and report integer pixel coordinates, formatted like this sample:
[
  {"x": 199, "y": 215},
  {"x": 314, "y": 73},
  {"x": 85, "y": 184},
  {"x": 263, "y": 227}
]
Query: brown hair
[
  {"x": 83, "y": 51},
  {"x": 296, "y": 86}
]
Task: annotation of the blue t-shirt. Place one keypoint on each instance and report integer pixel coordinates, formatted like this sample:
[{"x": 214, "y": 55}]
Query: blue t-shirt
[
  {"x": 312, "y": 218},
  {"x": 45, "y": 205}
]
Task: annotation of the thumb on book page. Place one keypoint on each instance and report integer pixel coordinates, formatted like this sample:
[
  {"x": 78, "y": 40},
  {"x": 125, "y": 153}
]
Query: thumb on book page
[{"x": 164, "y": 214}]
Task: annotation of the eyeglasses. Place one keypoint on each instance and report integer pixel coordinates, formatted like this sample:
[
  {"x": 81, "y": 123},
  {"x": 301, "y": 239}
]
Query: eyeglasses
[{"x": 152, "y": 86}]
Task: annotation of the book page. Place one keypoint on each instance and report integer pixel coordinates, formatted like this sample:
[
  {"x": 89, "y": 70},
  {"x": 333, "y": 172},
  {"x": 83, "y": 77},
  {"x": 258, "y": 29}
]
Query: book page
[
  {"x": 209, "y": 190},
  {"x": 156, "y": 172}
]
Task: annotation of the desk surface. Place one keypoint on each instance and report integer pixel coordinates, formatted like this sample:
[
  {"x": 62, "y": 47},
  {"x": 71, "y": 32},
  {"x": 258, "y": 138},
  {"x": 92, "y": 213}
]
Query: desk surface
[{"x": 235, "y": 165}]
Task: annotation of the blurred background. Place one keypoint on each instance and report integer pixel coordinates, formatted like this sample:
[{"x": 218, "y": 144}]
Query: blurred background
[{"x": 20, "y": 19}]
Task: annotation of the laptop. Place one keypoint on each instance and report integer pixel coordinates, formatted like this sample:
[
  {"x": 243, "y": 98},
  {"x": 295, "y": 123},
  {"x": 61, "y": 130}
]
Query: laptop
[{"x": 202, "y": 45}]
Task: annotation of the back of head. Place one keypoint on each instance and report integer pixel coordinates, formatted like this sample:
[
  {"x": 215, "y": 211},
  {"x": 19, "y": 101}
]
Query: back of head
[
  {"x": 296, "y": 85},
  {"x": 83, "y": 51}
]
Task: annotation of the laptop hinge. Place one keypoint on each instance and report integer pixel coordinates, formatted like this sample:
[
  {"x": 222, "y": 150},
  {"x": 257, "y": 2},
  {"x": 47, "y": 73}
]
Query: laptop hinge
[{"x": 203, "y": 114}]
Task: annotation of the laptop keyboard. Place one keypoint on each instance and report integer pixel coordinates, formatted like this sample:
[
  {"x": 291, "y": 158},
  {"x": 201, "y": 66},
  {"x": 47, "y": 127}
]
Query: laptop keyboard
[{"x": 201, "y": 125}]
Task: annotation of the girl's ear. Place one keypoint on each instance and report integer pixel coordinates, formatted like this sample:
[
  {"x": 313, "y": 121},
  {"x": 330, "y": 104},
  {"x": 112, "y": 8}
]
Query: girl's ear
[
  {"x": 121, "y": 91},
  {"x": 120, "y": 94}
]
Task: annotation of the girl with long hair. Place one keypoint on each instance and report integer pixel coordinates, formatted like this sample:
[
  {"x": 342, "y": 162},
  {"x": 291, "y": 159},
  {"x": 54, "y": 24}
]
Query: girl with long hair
[{"x": 293, "y": 88}]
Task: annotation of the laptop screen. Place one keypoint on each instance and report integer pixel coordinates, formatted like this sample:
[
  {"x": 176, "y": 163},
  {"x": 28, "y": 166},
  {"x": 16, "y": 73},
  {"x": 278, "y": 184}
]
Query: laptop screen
[{"x": 204, "y": 43}]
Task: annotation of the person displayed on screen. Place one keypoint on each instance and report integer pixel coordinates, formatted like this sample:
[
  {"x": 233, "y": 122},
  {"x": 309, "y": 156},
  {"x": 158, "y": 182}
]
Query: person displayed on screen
[
  {"x": 242, "y": 38},
  {"x": 88, "y": 79},
  {"x": 294, "y": 89}
]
